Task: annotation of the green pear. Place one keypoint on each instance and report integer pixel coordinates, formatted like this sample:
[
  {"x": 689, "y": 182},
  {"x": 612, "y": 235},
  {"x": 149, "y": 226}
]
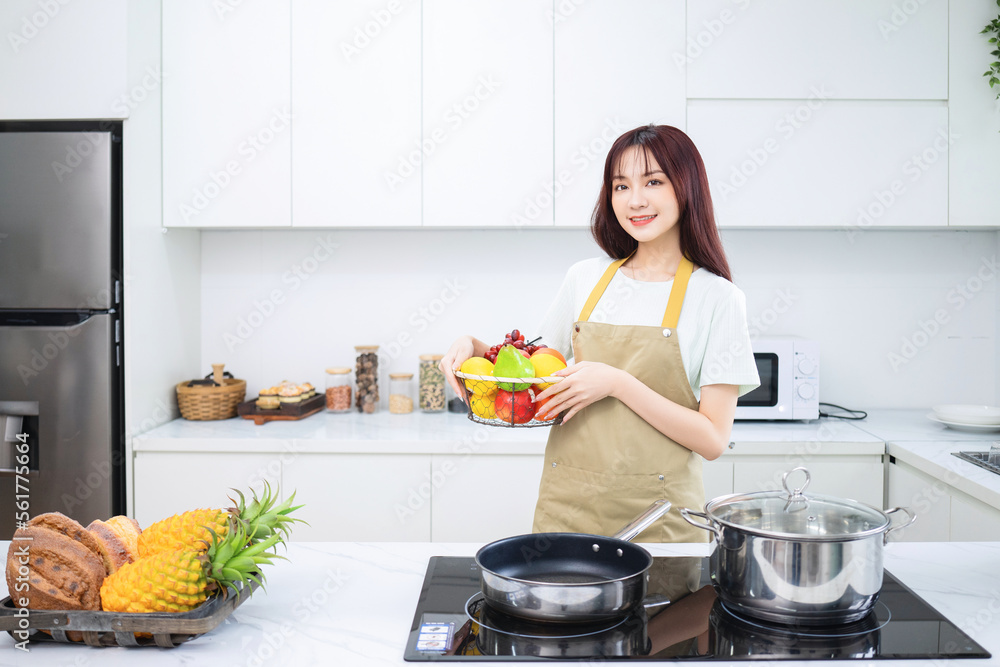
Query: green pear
[{"x": 512, "y": 364}]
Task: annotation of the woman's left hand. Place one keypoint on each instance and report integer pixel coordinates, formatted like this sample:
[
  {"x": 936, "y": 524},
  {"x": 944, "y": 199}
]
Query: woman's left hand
[{"x": 584, "y": 383}]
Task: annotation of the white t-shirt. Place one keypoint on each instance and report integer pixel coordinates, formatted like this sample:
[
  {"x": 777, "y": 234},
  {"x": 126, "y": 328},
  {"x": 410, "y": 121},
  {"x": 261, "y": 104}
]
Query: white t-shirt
[{"x": 713, "y": 334}]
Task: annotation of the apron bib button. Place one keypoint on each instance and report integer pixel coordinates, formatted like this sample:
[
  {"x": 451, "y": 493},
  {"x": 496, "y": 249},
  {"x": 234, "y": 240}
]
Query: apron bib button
[
  {"x": 661, "y": 478},
  {"x": 553, "y": 464},
  {"x": 666, "y": 333}
]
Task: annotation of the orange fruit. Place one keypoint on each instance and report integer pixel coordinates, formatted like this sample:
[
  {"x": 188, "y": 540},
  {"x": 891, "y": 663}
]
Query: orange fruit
[{"x": 548, "y": 350}]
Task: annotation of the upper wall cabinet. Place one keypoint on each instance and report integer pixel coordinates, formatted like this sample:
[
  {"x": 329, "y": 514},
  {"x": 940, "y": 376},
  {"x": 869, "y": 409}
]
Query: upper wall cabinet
[
  {"x": 817, "y": 162},
  {"x": 604, "y": 87},
  {"x": 357, "y": 149},
  {"x": 226, "y": 114},
  {"x": 65, "y": 60},
  {"x": 486, "y": 144},
  {"x": 781, "y": 49},
  {"x": 974, "y": 112}
]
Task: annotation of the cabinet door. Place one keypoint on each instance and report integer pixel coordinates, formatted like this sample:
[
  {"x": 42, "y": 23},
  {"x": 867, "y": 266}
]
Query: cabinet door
[
  {"x": 823, "y": 163},
  {"x": 859, "y": 49},
  {"x": 594, "y": 74},
  {"x": 718, "y": 475},
  {"x": 487, "y": 113},
  {"x": 64, "y": 60},
  {"x": 357, "y": 149},
  {"x": 974, "y": 114},
  {"x": 169, "y": 483},
  {"x": 973, "y": 521},
  {"x": 926, "y": 497},
  {"x": 226, "y": 114},
  {"x": 855, "y": 478},
  {"x": 360, "y": 497}
]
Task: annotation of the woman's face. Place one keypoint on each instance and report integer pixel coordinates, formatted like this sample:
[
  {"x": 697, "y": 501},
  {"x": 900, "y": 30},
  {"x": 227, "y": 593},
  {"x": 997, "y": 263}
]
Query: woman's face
[{"x": 643, "y": 198}]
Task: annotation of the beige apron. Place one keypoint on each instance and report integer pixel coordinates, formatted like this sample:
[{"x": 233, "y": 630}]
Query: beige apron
[{"x": 607, "y": 464}]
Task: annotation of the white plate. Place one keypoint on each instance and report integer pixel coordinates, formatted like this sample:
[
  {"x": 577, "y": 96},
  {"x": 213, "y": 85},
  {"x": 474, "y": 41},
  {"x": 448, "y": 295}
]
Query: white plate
[
  {"x": 958, "y": 426},
  {"x": 969, "y": 414}
]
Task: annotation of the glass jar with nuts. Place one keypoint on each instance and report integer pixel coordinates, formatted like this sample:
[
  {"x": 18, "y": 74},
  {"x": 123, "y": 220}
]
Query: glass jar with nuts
[
  {"x": 400, "y": 393},
  {"x": 338, "y": 389},
  {"x": 366, "y": 378},
  {"x": 431, "y": 383}
]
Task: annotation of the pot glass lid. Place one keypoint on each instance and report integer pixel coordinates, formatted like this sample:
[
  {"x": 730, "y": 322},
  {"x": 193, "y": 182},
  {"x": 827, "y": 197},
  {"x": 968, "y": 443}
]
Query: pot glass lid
[{"x": 791, "y": 513}]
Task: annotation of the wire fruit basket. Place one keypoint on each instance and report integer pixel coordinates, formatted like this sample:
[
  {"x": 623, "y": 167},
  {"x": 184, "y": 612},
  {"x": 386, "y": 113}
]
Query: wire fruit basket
[{"x": 506, "y": 402}]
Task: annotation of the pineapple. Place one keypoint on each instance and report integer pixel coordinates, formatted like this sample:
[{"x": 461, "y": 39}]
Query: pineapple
[
  {"x": 193, "y": 529},
  {"x": 181, "y": 580}
]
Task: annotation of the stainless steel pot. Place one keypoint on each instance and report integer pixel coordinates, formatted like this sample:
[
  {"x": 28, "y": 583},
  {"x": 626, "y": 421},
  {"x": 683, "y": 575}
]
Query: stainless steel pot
[{"x": 791, "y": 558}]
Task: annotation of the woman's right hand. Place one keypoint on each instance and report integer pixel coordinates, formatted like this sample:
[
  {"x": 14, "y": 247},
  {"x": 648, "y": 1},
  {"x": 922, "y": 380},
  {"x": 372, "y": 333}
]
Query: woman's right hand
[{"x": 460, "y": 350}]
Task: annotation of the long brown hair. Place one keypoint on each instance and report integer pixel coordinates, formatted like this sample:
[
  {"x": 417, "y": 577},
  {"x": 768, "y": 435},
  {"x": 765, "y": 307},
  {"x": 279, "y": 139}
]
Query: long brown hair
[{"x": 677, "y": 156}]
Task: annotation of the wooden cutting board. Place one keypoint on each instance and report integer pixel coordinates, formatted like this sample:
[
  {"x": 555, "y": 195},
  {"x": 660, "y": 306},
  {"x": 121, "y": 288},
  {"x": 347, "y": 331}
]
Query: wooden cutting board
[{"x": 286, "y": 412}]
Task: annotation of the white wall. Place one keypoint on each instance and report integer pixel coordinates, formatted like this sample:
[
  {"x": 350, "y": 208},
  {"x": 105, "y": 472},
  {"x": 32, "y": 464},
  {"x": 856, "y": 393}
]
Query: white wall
[{"x": 283, "y": 305}]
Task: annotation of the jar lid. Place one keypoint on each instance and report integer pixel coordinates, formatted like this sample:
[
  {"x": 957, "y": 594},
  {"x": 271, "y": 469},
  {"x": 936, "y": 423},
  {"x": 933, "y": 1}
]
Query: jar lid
[
  {"x": 338, "y": 370},
  {"x": 366, "y": 348},
  {"x": 791, "y": 514},
  {"x": 400, "y": 376},
  {"x": 431, "y": 357}
]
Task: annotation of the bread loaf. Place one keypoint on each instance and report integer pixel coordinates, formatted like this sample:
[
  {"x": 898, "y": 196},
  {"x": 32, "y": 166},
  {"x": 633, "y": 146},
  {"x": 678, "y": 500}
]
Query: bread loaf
[
  {"x": 118, "y": 539},
  {"x": 64, "y": 568}
]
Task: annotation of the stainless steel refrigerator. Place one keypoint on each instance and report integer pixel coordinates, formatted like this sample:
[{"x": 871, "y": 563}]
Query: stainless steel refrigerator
[{"x": 61, "y": 375}]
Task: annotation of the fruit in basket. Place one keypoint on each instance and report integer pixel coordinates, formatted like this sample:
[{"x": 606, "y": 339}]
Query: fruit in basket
[
  {"x": 512, "y": 364},
  {"x": 545, "y": 365},
  {"x": 515, "y": 407},
  {"x": 55, "y": 563},
  {"x": 516, "y": 340},
  {"x": 483, "y": 405},
  {"x": 478, "y": 366},
  {"x": 260, "y": 518},
  {"x": 540, "y": 405},
  {"x": 542, "y": 349},
  {"x": 179, "y": 581}
]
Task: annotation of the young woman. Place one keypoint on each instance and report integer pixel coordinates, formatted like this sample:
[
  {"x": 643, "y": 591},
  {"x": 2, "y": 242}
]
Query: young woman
[{"x": 659, "y": 337}]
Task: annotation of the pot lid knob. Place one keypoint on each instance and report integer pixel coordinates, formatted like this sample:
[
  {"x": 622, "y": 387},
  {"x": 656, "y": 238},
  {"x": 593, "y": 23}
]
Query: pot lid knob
[{"x": 795, "y": 496}]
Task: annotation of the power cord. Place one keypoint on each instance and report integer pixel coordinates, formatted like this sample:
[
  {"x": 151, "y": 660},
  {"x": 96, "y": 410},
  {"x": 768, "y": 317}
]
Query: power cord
[{"x": 849, "y": 414}]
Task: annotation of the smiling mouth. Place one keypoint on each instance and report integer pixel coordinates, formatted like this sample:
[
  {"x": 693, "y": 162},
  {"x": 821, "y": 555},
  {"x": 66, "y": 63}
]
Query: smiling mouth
[{"x": 642, "y": 219}]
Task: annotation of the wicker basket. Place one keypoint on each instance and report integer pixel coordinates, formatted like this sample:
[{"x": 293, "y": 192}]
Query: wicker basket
[
  {"x": 481, "y": 390},
  {"x": 201, "y": 400}
]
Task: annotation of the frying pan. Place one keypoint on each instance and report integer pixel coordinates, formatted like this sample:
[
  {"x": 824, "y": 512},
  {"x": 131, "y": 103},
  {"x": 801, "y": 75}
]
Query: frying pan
[{"x": 568, "y": 577}]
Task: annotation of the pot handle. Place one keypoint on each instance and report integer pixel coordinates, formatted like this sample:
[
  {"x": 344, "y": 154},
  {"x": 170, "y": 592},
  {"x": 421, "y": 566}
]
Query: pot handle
[
  {"x": 709, "y": 525},
  {"x": 643, "y": 521},
  {"x": 911, "y": 515}
]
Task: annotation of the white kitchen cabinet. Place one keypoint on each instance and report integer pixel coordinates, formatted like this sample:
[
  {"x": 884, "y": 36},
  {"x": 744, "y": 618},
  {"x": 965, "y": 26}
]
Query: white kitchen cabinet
[
  {"x": 781, "y": 49},
  {"x": 67, "y": 61},
  {"x": 924, "y": 496},
  {"x": 361, "y": 497},
  {"x": 168, "y": 483},
  {"x": 974, "y": 115},
  {"x": 603, "y": 88},
  {"x": 357, "y": 149},
  {"x": 481, "y": 498},
  {"x": 852, "y": 477},
  {"x": 487, "y": 112},
  {"x": 973, "y": 521},
  {"x": 718, "y": 477},
  {"x": 226, "y": 114},
  {"x": 822, "y": 163}
]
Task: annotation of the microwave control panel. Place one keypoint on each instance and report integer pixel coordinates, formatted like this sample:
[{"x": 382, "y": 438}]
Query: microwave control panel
[{"x": 806, "y": 379}]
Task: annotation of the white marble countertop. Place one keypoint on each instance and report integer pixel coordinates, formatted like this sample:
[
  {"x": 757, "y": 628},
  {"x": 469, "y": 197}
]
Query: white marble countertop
[
  {"x": 352, "y": 605},
  {"x": 936, "y": 459}
]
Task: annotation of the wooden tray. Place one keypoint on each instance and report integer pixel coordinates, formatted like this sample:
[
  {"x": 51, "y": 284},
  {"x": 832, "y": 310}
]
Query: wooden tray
[
  {"x": 105, "y": 628},
  {"x": 287, "y": 411}
]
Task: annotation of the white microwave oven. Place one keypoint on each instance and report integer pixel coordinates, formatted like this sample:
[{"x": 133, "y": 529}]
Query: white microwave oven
[{"x": 789, "y": 380}]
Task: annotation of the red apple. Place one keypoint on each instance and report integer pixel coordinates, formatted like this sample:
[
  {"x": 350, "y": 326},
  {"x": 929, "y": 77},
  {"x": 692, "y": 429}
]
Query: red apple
[
  {"x": 553, "y": 352},
  {"x": 514, "y": 407}
]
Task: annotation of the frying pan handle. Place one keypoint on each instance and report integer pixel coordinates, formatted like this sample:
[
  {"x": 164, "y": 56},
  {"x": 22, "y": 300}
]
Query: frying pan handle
[
  {"x": 709, "y": 525},
  {"x": 643, "y": 521}
]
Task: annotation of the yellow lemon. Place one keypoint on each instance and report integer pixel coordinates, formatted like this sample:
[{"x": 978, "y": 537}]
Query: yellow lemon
[
  {"x": 545, "y": 365},
  {"x": 477, "y": 366},
  {"x": 484, "y": 405}
]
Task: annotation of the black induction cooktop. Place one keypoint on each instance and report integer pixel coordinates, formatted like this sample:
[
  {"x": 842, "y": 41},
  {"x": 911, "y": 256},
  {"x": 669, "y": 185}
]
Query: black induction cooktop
[{"x": 683, "y": 620}]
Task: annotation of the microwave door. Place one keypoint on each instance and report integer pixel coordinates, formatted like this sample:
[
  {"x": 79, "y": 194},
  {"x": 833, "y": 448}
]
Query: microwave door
[{"x": 56, "y": 387}]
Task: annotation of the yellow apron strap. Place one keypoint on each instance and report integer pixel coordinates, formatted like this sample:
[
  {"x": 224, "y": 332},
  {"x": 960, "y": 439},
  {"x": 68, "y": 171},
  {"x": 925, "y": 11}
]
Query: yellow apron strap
[
  {"x": 598, "y": 290},
  {"x": 676, "y": 300}
]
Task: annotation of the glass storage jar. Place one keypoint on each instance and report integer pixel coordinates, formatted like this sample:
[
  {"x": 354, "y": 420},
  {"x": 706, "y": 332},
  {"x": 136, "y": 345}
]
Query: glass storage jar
[
  {"x": 400, "y": 393},
  {"x": 338, "y": 389},
  {"x": 366, "y": 378},
  {"x": 431, "y": 383}
]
